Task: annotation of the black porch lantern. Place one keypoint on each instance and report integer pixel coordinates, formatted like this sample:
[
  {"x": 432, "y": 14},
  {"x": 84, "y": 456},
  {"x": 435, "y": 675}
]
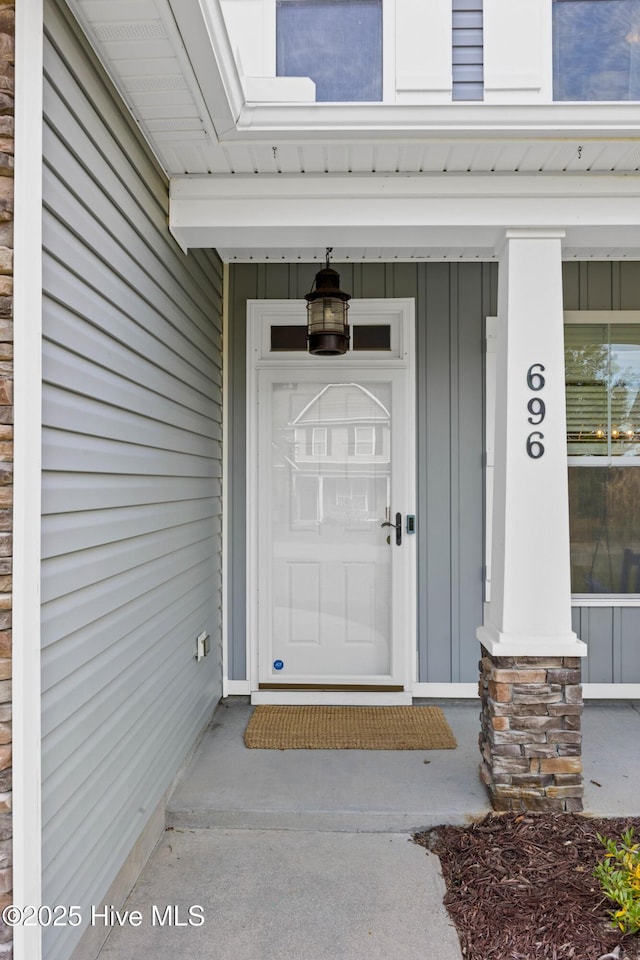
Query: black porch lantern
[{"x": 327, "y": 305}]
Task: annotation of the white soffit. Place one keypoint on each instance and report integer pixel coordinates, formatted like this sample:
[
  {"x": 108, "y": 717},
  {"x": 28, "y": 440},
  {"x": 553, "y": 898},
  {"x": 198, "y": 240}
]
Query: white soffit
[
  {"x": 172, "y": 62},
  {"x": 398, "y": 156},
  {"x": 152, "y": 57}
]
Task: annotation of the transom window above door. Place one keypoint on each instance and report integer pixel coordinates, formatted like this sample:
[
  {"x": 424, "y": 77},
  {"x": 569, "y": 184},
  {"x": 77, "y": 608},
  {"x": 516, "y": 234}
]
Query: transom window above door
[
  {"x": 286, "y": 338},
  {"x": 375, "y": 333}
]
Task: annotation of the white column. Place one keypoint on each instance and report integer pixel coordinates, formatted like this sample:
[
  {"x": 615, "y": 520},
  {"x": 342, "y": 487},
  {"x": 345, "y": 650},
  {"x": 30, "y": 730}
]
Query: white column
[{"x": 529, "y": 613}]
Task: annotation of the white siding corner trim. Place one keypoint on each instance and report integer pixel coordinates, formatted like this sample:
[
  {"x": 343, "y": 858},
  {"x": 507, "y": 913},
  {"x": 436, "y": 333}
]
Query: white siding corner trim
[
  {"x": 225, "y": 482},
  {"x": 27, "y": 943}
]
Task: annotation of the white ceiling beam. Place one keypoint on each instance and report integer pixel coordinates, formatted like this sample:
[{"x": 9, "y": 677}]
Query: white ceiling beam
[
  {"x": 328, "y": 187},
  {"x": 444, "y": 211}
]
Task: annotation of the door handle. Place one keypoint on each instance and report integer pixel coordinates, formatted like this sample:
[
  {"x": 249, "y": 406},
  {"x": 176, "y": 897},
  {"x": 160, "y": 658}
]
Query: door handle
[{"x": 398, "y": 527}]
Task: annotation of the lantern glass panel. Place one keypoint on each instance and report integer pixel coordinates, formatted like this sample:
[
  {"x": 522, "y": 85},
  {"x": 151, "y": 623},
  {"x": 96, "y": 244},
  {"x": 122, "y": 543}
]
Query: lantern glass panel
[{"x": 327, "y": 315}]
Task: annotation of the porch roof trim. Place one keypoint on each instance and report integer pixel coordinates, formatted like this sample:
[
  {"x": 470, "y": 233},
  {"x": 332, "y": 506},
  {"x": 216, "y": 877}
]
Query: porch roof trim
[{"x": 411, "y": 217}]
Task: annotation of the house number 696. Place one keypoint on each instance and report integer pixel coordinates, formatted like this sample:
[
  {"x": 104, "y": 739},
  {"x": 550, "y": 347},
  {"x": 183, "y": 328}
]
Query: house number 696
[{"x": 537, "y": 410}]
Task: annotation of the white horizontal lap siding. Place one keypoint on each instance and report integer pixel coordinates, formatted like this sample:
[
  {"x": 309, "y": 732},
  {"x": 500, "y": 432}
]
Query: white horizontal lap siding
[{"x": 131, "y": 527}]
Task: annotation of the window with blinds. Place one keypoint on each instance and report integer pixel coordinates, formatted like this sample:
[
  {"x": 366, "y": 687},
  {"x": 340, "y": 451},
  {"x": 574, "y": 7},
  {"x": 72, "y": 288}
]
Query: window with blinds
[
  {"x": 468, "y": 80},
  {"x": 602, "y": 370}
]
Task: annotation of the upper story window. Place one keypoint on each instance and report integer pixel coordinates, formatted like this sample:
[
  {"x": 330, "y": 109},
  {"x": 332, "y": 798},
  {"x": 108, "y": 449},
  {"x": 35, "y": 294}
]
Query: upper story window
[
  {"x": 365, "y": 441},
  {"x": 319, "y": 442},
  {"x": 338, "y": 43},
  {"x": 596, "y": 49}
]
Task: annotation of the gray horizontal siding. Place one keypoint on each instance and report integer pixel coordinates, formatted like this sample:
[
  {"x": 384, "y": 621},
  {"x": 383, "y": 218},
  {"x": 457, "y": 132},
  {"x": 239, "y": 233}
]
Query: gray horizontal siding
[
  {"x": 451, "y": 303},
  {"x": 612, "y": 634},
  {"x": 131, "y": 526}
]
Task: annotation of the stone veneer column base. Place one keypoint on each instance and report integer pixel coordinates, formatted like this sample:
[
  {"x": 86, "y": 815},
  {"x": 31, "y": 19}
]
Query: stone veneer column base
[{"x": 530, "y": 741}]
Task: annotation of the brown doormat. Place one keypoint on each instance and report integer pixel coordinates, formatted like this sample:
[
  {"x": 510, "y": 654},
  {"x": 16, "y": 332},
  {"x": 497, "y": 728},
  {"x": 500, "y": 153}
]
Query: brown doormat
[{"x": 348, "y": 728}]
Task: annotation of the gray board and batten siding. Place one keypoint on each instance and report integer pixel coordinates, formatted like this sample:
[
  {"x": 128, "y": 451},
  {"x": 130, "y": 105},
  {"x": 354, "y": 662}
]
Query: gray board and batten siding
[
  {"x": 132, "y": 447},
  {"x": 612, "y": 634},
  {"x": 452, "y": 301}
]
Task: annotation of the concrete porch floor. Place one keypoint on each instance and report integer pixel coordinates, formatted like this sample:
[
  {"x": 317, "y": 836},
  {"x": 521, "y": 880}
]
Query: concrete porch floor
[
  {"x": 303, "y": 855},
  {"x": 345, "y": 790}
]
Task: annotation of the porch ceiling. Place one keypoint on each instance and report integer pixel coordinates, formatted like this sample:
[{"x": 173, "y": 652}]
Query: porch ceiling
[{"x": 172, "y": 63}]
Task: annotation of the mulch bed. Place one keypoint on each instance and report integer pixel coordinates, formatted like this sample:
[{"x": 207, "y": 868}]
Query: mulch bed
[{"x": 520, "y": 887}]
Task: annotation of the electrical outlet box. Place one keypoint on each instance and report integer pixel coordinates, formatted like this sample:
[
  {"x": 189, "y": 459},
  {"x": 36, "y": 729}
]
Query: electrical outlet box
[{"x": 202, "y": 645}]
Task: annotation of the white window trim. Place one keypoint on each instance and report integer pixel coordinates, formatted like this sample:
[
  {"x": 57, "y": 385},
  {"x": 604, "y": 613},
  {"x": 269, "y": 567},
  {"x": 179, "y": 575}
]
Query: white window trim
[
  {"x": 603, "y": 317},
  {"x": 388, "y": 51},
  {"x": 603, "y": 461},
  {"x": 491, "y": 334},
  {"x": 605, "y": 600}
]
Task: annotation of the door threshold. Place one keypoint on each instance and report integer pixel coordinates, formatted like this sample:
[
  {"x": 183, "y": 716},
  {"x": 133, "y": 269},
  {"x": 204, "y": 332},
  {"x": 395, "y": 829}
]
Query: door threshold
[
  {"x": 361, "y": 687},
  {"x": 333, "y": 698}
]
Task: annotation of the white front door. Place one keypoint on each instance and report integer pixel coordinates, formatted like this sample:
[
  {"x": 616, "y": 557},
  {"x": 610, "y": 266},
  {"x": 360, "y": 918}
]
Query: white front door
[{"x": 331, "y": 456}]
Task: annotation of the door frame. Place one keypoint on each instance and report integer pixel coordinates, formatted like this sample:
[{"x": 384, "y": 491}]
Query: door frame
[{"x": 261, "y": 315}]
